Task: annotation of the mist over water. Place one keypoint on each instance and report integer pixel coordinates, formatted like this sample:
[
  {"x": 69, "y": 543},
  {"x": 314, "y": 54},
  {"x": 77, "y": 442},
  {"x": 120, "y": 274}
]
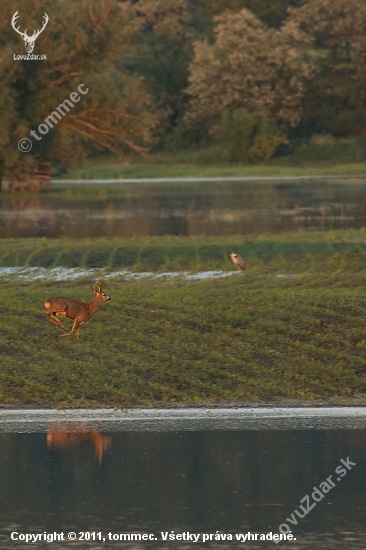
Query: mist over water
[{"x": 177, "y": 208}]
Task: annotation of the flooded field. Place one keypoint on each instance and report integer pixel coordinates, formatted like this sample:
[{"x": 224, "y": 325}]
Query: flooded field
[
  {"x": 184, "y": 208},
  {"x": 291, "y": 326},
  {"x": 62, "y": 273},
  {"x": 158, "y": 475}
]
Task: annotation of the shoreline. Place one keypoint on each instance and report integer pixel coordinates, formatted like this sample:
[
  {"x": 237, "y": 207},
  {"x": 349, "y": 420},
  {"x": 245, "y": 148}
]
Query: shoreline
[
  {"x": 208, "y": 179},
  {"x": 183, "y": 419},
  {"x": 294, "y": 404}
]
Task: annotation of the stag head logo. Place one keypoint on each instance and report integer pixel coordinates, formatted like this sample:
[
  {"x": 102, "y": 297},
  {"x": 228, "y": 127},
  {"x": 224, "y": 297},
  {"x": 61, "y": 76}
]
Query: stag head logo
[{"x": 29, "y": 40}]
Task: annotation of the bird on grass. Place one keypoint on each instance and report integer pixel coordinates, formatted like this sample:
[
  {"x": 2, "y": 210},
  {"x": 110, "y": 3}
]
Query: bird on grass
[{"x": 237, "y": 260}]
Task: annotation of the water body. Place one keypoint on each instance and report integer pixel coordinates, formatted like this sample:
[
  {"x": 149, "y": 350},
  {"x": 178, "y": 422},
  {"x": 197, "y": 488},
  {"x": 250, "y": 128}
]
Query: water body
[
  {"x": 198, "y": 471},
  {"x": 193, "y": 207}
]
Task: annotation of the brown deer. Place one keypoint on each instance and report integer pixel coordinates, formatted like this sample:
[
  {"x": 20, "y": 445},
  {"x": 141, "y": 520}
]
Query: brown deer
[{"x": 73, "y": 309}]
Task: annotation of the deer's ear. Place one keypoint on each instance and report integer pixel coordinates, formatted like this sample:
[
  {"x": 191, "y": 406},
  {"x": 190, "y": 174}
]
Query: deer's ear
[{"x": 93, "y": 289}]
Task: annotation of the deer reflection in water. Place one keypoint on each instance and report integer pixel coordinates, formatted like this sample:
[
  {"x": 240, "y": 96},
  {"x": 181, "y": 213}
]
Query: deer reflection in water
[{"x": 61, "y": 437}]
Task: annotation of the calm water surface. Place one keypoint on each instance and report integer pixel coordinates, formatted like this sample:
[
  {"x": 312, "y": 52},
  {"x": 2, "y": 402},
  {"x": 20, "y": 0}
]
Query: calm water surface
[
  {"x": 176, "y": 208},
  {"x": 199, "y": 481}
]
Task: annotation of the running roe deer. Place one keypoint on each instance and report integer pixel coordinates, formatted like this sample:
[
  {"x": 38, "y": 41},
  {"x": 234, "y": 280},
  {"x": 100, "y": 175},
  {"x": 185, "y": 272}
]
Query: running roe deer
[{"x": 73, "y": 309}]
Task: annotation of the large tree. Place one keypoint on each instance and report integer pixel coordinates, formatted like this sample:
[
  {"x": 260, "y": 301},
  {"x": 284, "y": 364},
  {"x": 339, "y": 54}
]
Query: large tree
[
  {"x": 336, "y": 97},
  {"x": 270, "y": 12},
  {"x": 161, "y": 52},
  {"x": 249, "y": 66},
  {"x": 82, "y": 41}
]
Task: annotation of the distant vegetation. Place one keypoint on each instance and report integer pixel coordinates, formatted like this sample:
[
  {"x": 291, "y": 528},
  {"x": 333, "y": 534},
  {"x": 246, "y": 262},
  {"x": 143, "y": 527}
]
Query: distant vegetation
[
  {"x": 311, "y": 158},
  {"x": 223, "y": 81}
]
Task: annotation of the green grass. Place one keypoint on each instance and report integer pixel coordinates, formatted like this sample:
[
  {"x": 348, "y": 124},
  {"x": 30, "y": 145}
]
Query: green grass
[
  {"x": 182, "y": 165},
  {"x": 316, "y": 156},
  {"x": 255, "y": 337},
  {"x": 295, "y": 250}
]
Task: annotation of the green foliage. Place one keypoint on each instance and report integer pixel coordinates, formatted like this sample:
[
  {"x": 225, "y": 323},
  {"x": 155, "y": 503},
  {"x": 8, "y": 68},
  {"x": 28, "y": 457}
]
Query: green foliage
[
  {"x": 163, "y": 71},
  {"x": 82, "y": 43},
  {"x": 176, "y": 140},
  {"x": 208, "y": 161},
  {"x": 251, "y": 67},
  {"x": 324, "y": 148},
  {"x": 248, "y": 136},
  {"x": 334, "y": 100},
  {"x": 271, "y": 13},
  {"x": 161, "y": 52}
]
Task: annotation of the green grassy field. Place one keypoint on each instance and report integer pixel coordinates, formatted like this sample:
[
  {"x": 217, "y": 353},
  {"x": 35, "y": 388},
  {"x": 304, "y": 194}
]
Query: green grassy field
[
  {"x": 291, "y": 328},
  {"x": 169, "y": 166}
]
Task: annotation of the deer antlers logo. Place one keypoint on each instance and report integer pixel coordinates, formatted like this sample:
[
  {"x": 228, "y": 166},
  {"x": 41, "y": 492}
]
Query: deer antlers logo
[{"x": 29, "y": 40}]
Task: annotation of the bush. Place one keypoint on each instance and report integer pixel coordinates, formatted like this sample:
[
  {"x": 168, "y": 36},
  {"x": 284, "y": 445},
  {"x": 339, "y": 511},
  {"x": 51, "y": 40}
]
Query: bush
[
  {"x": 326, "y": 148},
  {"x": 248, "y": 137},
  {"x": 176, "y": 140}
]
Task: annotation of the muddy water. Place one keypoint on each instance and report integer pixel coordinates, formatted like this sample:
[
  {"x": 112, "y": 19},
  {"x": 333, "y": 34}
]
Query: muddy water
[
  {"x": 184, "y": 208},
  {"x": 152, "y": 472}
]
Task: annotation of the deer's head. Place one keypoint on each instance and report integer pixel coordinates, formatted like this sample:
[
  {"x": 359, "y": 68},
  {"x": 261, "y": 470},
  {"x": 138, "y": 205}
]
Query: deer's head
[
  {"x": 29, "y": 40},
  {"x": 98, "y": 293}
]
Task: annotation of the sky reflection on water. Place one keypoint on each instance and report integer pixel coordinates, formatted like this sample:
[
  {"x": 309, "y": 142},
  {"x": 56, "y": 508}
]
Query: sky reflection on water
[
  {"x": 205, "y": 208},
  {"x": 83, "y": 479}
]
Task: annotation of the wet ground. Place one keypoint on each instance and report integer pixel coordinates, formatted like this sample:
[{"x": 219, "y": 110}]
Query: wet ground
[{"x": 64, "y": 273}]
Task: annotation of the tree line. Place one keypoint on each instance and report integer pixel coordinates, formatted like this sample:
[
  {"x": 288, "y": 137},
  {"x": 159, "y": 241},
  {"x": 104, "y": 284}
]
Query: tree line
[{"x": 247, "y": 74}]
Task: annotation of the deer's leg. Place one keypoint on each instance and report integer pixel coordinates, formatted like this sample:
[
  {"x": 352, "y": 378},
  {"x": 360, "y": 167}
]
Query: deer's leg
[
  {"x": 74, "y": 328},
  {"x": 53, "y": 319}
]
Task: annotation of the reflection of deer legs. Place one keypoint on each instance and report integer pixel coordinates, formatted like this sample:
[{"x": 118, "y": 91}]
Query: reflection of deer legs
[
  {"x": 75, "y": 328},
  {"x": 53, "y": 319}
]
